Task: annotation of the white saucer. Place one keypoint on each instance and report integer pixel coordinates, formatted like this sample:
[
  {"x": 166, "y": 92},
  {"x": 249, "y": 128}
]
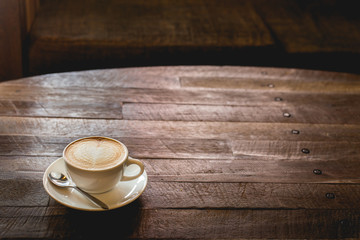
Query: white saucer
[{"x": 122, "y": 194}]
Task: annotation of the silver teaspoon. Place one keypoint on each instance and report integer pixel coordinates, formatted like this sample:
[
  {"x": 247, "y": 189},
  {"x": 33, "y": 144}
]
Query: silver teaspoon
[{"x": 61, "y": 180}]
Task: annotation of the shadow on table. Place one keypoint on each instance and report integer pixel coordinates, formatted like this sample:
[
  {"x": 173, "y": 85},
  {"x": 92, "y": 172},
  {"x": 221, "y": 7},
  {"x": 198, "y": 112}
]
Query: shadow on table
[{"x": 114, "y": 224}]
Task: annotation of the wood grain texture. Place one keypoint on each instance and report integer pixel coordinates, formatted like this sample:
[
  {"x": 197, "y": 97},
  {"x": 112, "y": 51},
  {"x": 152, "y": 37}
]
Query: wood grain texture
[
  {"x": 317, "y": 35},
  {"x": 63, "y": 108},
  {"x": 306, "y": 95},
  {"x": 315, "y": 27},
  {"x": 239, "y": 169},
  {"x": 178, "y": 96},
  {"x": 169, "y": 77},
  {"x": 11, "y": 36},
  {"x": 185, "y": 23},
  {"x": 21, "y": 187},
  {"x": 28, "y": 191},
  {"x": 179, "y": 129},
  {"x": 222, "y": 160},
  {"x": 120, "y": 33},
  {"x": 73, "y": 36},
  {"x": 183, "y": 148},
  {"x": 307, "y": 86},
  {"x": 308, "y": 113},
  {"x": 62, "y": 223}
]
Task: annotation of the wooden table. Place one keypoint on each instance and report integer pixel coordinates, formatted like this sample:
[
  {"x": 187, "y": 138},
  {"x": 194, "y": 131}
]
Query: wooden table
[{"x": 230, "y": 152}]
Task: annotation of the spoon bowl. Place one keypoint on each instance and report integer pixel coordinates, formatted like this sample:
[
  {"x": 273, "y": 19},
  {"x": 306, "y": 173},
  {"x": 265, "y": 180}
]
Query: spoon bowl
[{"x": 61, "y": 180}]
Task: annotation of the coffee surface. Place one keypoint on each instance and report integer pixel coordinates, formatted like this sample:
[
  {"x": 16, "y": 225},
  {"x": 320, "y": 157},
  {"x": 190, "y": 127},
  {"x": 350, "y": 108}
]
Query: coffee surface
[{"x": 95, "y": 153}]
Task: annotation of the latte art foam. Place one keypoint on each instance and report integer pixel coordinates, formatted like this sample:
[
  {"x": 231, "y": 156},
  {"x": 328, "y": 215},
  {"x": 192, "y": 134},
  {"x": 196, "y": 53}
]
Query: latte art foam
[{"x": 95, "y": 153}]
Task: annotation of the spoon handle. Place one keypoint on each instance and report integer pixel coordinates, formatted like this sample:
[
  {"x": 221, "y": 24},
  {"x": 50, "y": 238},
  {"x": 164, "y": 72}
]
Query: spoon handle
[{"x": 92, "y": 198}]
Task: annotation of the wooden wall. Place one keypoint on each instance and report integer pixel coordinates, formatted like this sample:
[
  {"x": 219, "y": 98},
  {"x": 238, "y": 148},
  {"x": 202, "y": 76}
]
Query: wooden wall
[{"x": 16, "y": 17}]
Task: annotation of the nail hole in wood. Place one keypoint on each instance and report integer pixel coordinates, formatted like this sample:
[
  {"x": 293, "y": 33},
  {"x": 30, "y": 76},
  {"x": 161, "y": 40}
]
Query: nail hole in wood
[
  {"x": 295, "y": 131},
  {"x": 305, "y": 150},
  {"x": 330, "y": 195},
  {"x": 344, "y": 222},
  {"x": 286, "y": 114}
]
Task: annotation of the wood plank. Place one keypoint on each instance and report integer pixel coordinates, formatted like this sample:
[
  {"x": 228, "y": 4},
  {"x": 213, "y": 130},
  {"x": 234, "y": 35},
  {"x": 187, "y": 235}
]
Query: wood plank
[
  {"x": 25, "y": 126},
  {"x": 294, "y": 149},
  {"x": 112, "y": 109},
  {"x": 25, "y": 164},
  {"x": 21, "y": 189},
  {"x": 12, "y": 27},
  {"x": 196, "y": 149},
  {"x": 64, "y": 108},
  {"x": 240, "y": 169},
  {"x": 138, "y": 147},
  {"x": 241, "y": 224},
  {"x": 33, "y": 145},
  {"x": 310, "y": 108},
  {"x": 299, "y": 114},
  {"x": 250, "y": 195},
  {"x": 30, "y": 93},
  {"x": 31, "y": 8},
  {"x": 305, "y": 86},
  {"x": 292, "y": 74},
  {"x": 50, "y": 222},
  {"x": 136, "y": 38},
  {"x": 342, "y": 170},
  {"x": 184, "y": 24},
  {"x": 163, "y": 77},
  {"x": 109, "y": 78},
  {"x": 303, "y": 108},
  {"x": 176, "y": 112},
  {"x": 179, "y": 96},
  {"x": 324, "y": 26}
]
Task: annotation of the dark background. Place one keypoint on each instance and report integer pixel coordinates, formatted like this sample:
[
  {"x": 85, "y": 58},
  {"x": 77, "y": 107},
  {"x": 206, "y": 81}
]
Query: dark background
[{"x": 47, "y": 36}]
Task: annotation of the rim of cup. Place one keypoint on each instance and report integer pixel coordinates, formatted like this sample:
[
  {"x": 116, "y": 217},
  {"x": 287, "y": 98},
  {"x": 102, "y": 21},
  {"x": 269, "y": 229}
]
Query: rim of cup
[{"x": 124, "y": 158}]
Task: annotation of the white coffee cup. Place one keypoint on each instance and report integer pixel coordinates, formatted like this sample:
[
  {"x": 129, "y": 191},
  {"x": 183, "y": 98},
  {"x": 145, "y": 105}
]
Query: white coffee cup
[{"x": 96, "y": 164}]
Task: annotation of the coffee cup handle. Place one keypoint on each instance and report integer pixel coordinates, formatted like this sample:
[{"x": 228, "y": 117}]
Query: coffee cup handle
[{"x": 131, "y": 161}]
